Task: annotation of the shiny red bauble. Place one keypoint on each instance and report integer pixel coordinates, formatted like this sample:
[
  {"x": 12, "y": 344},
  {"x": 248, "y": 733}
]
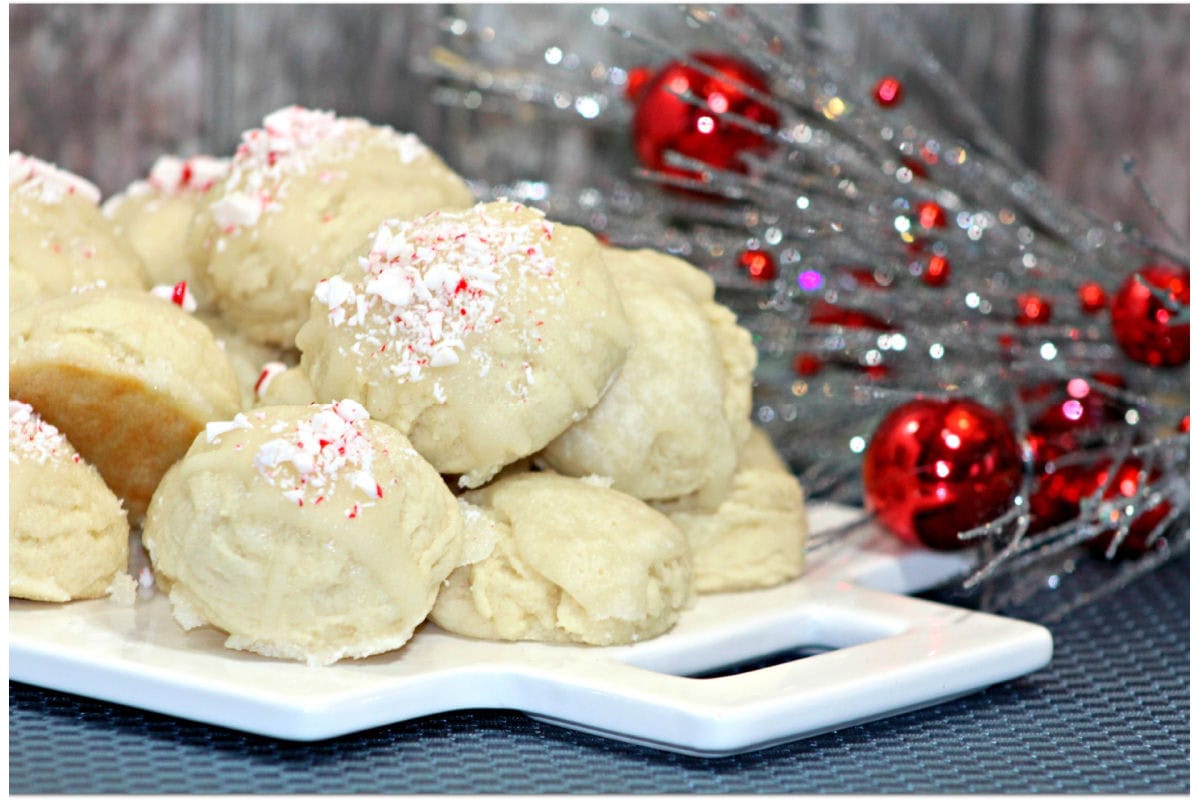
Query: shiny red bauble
[
  {"x": 937, "y": 271},
  {"x": 1146, "y": 329},
  {"x": 1057, "y": 496},
  {"x": 663, "y": 121},
  {"x": 1125, "y": 483},
  {"x": 889, "y": 91},
  {"x": 935, "y": 468},
  {"x": 759, "y": 264},
  {"x": 931, "y": 215},
  {"x": 1092, "y": 297},
  {"x": 1067, "y": 416},
  {"x": 823, "y": 312},
  {"x": 1033, "y": 309}
]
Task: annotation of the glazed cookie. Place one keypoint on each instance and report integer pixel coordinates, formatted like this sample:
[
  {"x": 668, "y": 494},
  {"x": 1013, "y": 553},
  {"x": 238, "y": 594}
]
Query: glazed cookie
[
  {"x": 304, "y": 532},
  {"x": 58, "y": 241},
  {"x": 303, "y": 192},
  {"x": 67, "y": 533},
  {"x": 560, "y": 559},
  {"x": 756, "y": 537},
  {"x": 130, "y": 380},
  {"x": 481, "y": 334},
  {"x": 677, "y": 414},
  {"x": 154, "y": 214}
]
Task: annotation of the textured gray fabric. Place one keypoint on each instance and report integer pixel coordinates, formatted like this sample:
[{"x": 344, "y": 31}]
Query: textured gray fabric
[{"x": 1110, "y": 714}]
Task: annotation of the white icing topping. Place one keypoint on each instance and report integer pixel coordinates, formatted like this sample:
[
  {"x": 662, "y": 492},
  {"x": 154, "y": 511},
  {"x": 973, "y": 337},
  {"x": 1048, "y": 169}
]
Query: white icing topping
[
  {"x": 31, "y": 438},
  {"x": 293, "y": 141},
  {"x": 431, "y": 282},
  {"x": 215, "y": 430},
  {"x": 46, "y": 182}
]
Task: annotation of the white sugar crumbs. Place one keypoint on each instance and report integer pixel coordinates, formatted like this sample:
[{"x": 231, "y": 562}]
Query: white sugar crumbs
[
  {"x": 31, "y": 438},
  {"x": 429, "y": 283}
]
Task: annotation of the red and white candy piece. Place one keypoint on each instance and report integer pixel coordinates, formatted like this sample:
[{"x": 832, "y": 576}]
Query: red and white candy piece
[
  {"x": 178, "y": 293},
  {"x": 268, "y": 373},
  {"x": 173, "y": 175}
]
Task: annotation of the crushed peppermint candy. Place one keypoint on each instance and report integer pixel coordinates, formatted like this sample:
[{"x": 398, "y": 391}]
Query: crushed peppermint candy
[
  {"x": 293, "y": 141},
  {"x": 429, "y": 283},
  {"x": 48, "y": 183},
  {"x": 309, "y": 460},
  {"x": 31, "y": 438},
  {"x": 173, "y": 175},
  {"x": 269, "y": 371},
  {"x": 179, "y": 294}
]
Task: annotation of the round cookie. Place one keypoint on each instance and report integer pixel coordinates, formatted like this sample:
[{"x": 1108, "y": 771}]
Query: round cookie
[
  {"x": 67, "y": 533},
  {"x": 304, "y": 191},
  {"x": 304, "y": 532},
  {"x": 560, "y": 559},
  {"x": 58, "y": 241},
  {"x": 154, "y": 215},
  {"x": 756, "y": 537},
  {"x": 677, "y": 414},
  {"x": 129, "y": 380},
  {"x": 480, "y": 334}
]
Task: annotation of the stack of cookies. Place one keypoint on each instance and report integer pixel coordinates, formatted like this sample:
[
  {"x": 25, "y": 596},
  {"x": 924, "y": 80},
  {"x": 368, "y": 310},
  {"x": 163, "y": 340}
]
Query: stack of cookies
[{"x": 340, "y": 398}]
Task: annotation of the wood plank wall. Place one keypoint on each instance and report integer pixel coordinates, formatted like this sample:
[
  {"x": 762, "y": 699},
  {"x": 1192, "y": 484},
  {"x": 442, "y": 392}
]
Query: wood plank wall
[{"x": 102, "y": 90}]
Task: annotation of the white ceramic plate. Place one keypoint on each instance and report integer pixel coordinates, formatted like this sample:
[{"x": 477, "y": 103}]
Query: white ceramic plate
[{"x": 891, "y": 654}]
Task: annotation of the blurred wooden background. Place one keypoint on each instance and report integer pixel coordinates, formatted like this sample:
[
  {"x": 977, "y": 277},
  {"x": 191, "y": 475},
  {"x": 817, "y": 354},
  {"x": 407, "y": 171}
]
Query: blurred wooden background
[{"x": 103, "y": 90}]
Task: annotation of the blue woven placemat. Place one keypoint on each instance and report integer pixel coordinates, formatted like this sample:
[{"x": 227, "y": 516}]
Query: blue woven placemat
[{"x": 1110, "y": 714}]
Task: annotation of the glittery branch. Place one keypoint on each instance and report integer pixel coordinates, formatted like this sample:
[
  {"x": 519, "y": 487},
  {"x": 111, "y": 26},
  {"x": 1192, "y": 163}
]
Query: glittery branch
[{"x": 853, "y": 202}]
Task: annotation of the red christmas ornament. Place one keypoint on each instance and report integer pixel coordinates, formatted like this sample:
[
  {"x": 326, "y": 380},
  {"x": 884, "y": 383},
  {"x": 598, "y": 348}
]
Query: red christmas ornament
[
  {"x": 1033, "y": 309},
  {"x": 664, "y": 121},
  {"x": 1185, "y": 424},
  {"x": 937, "y": 271},
  {"x": 865, "y": 278},
  {"x": 1057, "y": 496},
  {"x": 806, "y": 364},
  {"x": 1092, "y": 297},
  {"x": 876, "y": 372},
  {"x": 1073, "y": 413},
  {"x": 930, "y": 215},
  {"x": 914, "y": 166},
  {"x": 758, "y": 263},
  {"x": 1126, "y": 484},
  {"x": 825, "y": 313},
  {"x": 635, "y": 83},
  {"x": 1143, "y": 326},
  {"x": 935, "y": 468},
  {"x": 889, "y": 91}
]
